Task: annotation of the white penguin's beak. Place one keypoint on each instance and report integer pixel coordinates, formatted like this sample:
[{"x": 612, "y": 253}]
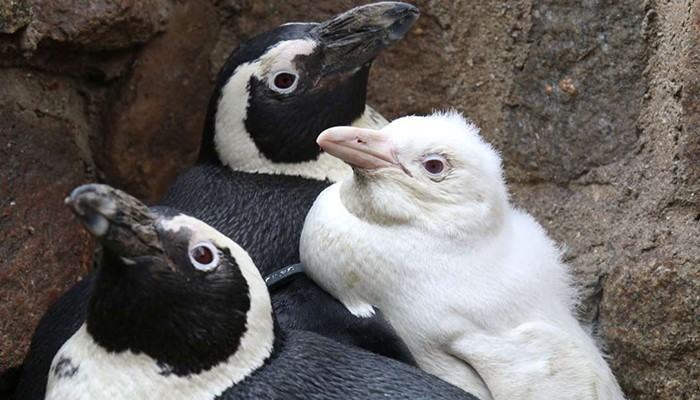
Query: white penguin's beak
[{"x": 360, "y": 147}]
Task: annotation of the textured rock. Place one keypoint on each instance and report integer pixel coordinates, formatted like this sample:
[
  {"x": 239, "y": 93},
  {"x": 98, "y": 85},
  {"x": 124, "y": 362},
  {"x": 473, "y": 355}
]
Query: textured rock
[
  {"x": 594, "y": 105},
  {"x": 14, "y": 14},
  {"x": 42, "y": 251},
  {"x": 94, "y": 25},
  {"x": 572, "y": 104},
  {"x": 154, "y": 123}
]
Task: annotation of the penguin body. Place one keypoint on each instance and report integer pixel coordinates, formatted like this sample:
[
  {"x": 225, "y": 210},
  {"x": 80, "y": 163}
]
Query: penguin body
[
  {"x": 180, "y": 311},
  {"x": 234, "y": 209},
  {"x": 257, "y": 184},
  {"x": 424, "y": 231}
]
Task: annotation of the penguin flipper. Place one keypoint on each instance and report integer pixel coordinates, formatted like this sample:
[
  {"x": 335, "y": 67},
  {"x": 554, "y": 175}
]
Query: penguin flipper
[
  {"x": 303, "y": 305},
  {"x": 532, "y": 361}
]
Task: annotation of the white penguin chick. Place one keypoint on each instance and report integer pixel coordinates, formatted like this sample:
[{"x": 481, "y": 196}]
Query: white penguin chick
[{"x": 424, "y": 231}]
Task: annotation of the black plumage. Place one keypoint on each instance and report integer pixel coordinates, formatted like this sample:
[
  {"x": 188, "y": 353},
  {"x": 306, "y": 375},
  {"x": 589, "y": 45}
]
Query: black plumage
[
  {"x": 264, "y": 213},
  {"x": 149, "y": 297},
  {"x": 308, "y": 366}
]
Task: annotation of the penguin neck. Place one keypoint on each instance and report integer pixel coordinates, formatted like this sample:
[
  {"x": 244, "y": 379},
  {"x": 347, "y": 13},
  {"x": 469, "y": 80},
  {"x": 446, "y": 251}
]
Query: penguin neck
[
  {"x": 181, "y": 332},
  {"x": 89, "y": 363},
  {"x": 82, "y": 366},
  {"x": 393, "y": 206}
]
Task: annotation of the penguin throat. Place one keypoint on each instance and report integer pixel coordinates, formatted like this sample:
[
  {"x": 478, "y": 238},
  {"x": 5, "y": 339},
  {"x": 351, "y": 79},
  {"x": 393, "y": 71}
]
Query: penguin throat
[
  {"x": 187, "y": 326},
  {"x": 98, "y": 366}
]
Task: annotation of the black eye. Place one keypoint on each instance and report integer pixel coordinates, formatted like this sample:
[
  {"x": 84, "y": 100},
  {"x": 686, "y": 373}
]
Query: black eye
[
  {"x": 284, "y": 80},
  {"x": 204, "y": 256}
]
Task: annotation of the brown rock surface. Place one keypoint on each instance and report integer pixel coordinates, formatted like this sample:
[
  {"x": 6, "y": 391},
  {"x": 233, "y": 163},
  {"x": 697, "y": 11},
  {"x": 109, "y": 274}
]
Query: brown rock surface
[
  {"x": 594, "y": 105},
  {"x": 94, "y": 24},
  {"x": 14, "y": 14},
  {"x": 162, "y": 103},
  {"x": 42, "y": 250}
]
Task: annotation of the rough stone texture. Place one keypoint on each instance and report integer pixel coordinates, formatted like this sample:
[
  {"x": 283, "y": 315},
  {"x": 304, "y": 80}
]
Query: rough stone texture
[
  {"x": 42, "y": 250},
  {"x": 14, "y": 14},
  {"x": 162, "y": 103},
  {"x": 594, "y": 105},
  {"x": 94, "y": 25}
]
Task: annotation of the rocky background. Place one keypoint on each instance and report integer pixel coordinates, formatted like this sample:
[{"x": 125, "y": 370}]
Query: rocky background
[{"x": 594, "y": 104}]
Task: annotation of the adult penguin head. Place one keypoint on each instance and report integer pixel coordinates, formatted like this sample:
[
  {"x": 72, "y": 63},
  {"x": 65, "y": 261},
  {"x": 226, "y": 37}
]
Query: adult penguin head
[{"x": 280, "y": 89}]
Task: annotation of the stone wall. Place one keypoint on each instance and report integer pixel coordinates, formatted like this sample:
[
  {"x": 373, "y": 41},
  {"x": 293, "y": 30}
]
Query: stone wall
[{"x": 594, "y": 105}]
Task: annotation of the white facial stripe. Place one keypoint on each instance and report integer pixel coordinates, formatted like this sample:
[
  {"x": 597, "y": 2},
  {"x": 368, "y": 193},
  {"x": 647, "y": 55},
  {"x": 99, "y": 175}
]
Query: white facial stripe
[
  {"x": 104, "y": 375},
  {"x": 280, "y": 56}
]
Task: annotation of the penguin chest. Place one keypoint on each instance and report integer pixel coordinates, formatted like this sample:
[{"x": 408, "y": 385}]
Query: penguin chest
[{"x": 82, "y": 369}]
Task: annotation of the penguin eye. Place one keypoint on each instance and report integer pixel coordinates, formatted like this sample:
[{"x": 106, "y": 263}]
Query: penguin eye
[
  {"x": 435, "y": 165},
  {"x": 204, "y": 256},
  {"x": 284, "y": 82}
]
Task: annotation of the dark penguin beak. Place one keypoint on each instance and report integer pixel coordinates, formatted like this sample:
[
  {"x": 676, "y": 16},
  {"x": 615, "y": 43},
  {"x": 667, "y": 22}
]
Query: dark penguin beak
[
  {"x": 121, "y": 222},
  {"x": 355, "y": 37}
]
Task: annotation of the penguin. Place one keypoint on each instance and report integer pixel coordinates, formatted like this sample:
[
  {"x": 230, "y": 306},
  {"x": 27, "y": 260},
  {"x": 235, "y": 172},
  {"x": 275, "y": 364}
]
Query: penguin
[
  {"x": 179, "y": 311},
  {"x": 424, "y": 231},
  {"x": 261, "y": 204},
  {"x": 9, "y": 379}
]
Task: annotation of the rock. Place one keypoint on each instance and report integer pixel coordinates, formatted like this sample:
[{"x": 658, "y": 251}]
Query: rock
[
  {"x": 14, "y": 15},
  {"x": 94, "y": 25},
  {"x": 650, "y": 302},
  {"x": 576, "y": 48},
  {"x": 154, "y": 123},
  {"x": 43, "y": 156}
]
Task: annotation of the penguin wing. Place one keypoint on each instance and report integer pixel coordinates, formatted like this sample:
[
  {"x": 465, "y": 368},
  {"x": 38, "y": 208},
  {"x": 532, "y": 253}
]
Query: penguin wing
[{"x": 536, "y": 360}]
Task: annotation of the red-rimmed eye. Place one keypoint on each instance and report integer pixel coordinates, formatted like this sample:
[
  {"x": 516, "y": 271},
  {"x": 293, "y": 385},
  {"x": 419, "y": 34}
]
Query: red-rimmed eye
[
  {"x": 435, "y": 165},
  {"x": 284, "y": 80},
  {"x": 204, "y": 256}
]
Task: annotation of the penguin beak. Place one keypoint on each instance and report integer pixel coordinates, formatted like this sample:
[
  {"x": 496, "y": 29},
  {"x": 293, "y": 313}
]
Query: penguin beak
[
  {"x": 355, "y": 37},
  {"x": 120, "y": 221},
  {"x": 362, "y": 148}
]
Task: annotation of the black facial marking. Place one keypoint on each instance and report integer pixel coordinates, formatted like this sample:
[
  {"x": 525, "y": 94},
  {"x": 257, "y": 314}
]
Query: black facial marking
[
  {"x": 185, "y": 319},
  {"x": 65, "y": 368},
  {"x": 249, "y": 51},
  {"x": 285, "y": 128}
]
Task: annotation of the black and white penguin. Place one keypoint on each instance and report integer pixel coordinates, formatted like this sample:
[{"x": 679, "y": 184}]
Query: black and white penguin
[
  {"x": 260, "y": 197},
  {"x": 179, "y": 311}
]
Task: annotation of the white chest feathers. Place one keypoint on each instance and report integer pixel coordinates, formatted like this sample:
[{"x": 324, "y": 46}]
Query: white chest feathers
[
  {"x": 84, "y": 370},
  {"x": 476, "y": 289}
]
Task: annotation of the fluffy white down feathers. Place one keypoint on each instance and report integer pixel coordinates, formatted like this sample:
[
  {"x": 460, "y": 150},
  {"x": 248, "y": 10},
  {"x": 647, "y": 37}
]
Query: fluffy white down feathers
[{"x": 424, "y": 232}]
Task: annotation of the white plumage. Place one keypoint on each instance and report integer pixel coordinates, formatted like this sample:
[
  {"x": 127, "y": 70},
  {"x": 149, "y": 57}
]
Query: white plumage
[{"x": 424, "y": 232}]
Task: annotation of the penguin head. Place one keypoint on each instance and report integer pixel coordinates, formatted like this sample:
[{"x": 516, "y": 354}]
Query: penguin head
[
  {"x": 434, "y": 170},
  {"x": 280, "y": 89},
  {"x": 171, "y": 287}
]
